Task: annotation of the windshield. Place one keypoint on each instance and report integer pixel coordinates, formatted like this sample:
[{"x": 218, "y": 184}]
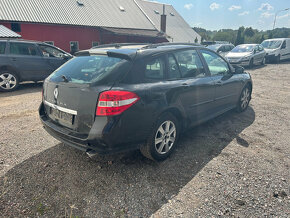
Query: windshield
[
  {"x": 243, "y": 48},
  {"x": 86, "y": 69},
  {"x": 214, "y": 47},
  {"x": 271, "y": 44}
]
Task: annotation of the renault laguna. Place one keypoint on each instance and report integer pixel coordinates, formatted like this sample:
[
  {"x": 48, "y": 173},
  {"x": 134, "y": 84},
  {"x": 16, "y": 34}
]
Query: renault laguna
[{"x": 117, "y": 98}]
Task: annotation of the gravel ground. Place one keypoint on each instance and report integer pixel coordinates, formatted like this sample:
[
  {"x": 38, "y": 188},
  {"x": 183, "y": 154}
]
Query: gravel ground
[{"x": 235, "y": 165}]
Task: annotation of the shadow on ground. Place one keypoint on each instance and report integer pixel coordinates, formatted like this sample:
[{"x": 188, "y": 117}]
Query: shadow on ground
[
  {"x": 24, "y": 88},
  {"x": 114, "y": 186}
]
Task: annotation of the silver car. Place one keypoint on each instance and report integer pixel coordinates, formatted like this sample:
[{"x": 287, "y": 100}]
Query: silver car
[
  {"x": 222, "y": 49},
  {"x": 247, "y": 55}
]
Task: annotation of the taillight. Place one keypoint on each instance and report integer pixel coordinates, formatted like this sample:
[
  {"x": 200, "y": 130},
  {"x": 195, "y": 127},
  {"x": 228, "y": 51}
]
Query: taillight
[{"x": 115, "y": 102}]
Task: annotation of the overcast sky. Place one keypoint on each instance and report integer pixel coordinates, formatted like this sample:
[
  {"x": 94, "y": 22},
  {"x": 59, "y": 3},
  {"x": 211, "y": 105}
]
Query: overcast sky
[{"x": 222, "y": 14}]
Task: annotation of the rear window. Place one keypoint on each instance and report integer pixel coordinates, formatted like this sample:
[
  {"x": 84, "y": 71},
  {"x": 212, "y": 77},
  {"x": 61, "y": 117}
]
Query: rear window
[
  {"x": 88, "y": 69},
  {"x": 2, "y": 47}
]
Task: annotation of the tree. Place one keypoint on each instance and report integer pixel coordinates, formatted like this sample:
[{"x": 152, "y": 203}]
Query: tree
[
  {"x": 240, "y": 38},
  {"x": 262, "y": 38},
  {"x": 196, "y": 40},
  {"x": 249, "y": 32}
]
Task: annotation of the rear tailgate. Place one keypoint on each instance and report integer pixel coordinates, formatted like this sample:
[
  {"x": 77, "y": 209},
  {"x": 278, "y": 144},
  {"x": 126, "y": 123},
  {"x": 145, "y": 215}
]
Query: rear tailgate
[{"x": 72, "y": 105}]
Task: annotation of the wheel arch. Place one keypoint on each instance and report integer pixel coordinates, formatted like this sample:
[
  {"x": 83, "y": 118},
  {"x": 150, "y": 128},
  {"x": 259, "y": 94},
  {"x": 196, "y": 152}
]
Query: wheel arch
[
  {"x": 178, "y": 115},
  {"x": 11, "y": 69}
]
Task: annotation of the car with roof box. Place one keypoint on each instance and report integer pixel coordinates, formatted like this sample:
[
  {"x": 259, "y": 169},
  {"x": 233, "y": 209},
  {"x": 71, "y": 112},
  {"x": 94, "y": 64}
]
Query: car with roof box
[
  {"x": 123, "y": 97},
  {"x": 24, "y": 60}
]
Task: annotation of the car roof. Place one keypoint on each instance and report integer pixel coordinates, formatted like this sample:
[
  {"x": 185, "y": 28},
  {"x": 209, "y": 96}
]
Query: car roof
[
  {"x": 277, "y": 39},
  {"x": 21, "y": 40},
  {"x": 247, "y": 44},
  {"x": 131, "y": 50}
]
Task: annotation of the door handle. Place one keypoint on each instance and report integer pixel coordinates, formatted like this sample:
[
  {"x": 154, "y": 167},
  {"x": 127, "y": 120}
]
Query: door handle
[
  {"x": 185, "y": 85},
  {"x": 219, "y": 83},
  {"x": 13, "y": 59}
]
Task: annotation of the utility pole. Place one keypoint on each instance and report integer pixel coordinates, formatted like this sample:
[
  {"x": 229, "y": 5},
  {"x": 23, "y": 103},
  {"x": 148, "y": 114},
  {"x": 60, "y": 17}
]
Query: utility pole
[{"x": 286, "y": 9}]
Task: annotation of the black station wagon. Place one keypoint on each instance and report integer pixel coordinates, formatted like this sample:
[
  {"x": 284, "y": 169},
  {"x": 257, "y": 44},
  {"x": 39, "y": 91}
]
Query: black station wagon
[{"x": 117, "y": 98}]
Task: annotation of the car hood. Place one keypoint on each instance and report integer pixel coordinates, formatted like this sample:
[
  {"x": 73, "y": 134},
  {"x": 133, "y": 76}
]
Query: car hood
[{"x": 238, "y": 54}]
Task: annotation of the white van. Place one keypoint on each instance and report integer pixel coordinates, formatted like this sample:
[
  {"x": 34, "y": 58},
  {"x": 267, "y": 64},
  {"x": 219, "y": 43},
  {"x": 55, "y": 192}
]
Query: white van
[{"x": 277, "y": 49}]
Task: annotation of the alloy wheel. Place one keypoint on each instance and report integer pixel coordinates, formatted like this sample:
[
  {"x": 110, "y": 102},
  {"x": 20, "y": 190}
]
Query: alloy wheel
[
  {"x": 7, "y": 81},
  {"x": 245, "y": 98},
  {"x": 165, "y": 137}
]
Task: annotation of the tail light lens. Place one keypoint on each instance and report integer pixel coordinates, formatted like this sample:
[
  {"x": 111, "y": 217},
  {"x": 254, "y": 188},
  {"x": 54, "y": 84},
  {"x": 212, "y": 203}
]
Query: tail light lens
[{"x": 115, "y": 102}]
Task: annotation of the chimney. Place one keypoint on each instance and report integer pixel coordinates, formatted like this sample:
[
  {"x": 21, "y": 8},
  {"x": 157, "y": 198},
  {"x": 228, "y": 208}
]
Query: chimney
[{"x": 163, "y": 21}]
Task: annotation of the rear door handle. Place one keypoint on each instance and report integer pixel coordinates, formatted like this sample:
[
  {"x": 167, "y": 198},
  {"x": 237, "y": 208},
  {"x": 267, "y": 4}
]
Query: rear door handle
[
  {"x": 219, "y": 83},
  {"x": 13, "y": 59}
]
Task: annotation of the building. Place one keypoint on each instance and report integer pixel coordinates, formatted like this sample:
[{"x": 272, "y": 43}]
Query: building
[
  {"x": 6, "y": 33},
  {"x": 81, "y": 24}
]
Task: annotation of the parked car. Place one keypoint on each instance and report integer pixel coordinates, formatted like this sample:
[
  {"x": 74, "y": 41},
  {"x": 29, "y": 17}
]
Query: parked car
[
  {"x": 22, "y": 60},
  {"x": 277, "y": 49},
  {"x": 222, "y": 49},
  {"x": 112, "y": 100},
  {"x": 247, "y": 55}
]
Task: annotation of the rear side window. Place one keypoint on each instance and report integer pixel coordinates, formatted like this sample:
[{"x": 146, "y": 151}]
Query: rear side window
[
  {"x": 190, "y": 64},
  {"x": 22, "y": 49},
  {"x": 2, "y": 47},
  {"x": 173, "y": 68},
  {"x": 216, "y": 65},
  {"x": 88, "y": 69},
  {"x": 154, "y": 69}
]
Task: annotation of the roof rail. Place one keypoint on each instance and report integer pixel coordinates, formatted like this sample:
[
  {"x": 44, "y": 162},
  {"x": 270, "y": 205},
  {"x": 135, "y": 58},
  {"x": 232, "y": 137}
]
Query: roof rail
[
  {"x": 169, "y": 43},
  {"x": 118, "y": 45}
]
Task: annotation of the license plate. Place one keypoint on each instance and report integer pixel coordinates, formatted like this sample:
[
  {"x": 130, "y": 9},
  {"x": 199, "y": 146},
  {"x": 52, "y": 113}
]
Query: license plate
[{"x": 61, "y": 116}]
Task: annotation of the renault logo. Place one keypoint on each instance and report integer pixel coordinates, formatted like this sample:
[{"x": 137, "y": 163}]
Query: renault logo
[{"x": 55, "y": 93}]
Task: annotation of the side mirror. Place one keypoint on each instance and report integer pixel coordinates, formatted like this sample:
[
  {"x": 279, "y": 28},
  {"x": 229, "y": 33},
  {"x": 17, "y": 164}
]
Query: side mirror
[
  {"x": 238, "y": 70},
  {"x": 66, "y": 56}
]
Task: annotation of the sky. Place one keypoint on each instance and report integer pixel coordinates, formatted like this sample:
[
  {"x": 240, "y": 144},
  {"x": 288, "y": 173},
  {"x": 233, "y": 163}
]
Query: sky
[{"x": 224, "y": 14}]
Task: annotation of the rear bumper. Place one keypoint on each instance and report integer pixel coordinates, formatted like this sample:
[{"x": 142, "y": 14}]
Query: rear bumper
[{"x": 102, "y": 144}]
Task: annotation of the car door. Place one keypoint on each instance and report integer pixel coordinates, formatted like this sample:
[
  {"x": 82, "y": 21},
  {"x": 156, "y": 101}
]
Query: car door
[
  {"x": 197, "y": 95},
  {"x": 25, "y": 57},
  {"x": 227, "y": 85},
  {"x": 284, "y": 52},
  {"x": 53, "y": 57}
]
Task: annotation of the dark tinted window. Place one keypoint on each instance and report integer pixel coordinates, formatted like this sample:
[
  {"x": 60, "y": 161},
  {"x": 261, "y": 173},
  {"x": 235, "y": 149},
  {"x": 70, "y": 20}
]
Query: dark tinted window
[
  {"x": 173, "y": 68},
  {"x": 283, "y": 45},
  {"x": 2, "y": 47},
  {"x": 190, "y": 64},
  {"x": 22, "y": 49},
  {"x": 154, "y": 69},
  {"x": 88, "y": 69},
  {"x": 216, "y": 65}
]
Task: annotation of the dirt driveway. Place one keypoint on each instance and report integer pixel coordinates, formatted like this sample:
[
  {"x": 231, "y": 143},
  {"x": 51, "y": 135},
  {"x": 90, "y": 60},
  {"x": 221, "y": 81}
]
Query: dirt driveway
[{"x": 234, "y": 165}]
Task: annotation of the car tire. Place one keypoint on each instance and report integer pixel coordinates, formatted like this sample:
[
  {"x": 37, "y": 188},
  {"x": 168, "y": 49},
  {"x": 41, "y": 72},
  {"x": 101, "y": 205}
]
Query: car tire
[
  {"x": 162, "y": 139},
  {"x": 263, "y": 62},
  {"x": 251, "y": 64},
  {"x": 9, "y": 81},
  {"x": 244, "y": 99}
]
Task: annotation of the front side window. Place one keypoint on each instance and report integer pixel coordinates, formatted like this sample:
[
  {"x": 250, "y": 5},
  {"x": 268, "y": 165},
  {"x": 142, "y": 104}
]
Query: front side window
[
  {"x": 283, "y": 45},
  {"x": 48, "y": 51},
  {"x": 190, "y": 64},
  {"x": 216, "y": 65},
  {"x": 154, "y": 69},
  {"x": 2, "y": 47},
  {"x": 22, "y": 49}
]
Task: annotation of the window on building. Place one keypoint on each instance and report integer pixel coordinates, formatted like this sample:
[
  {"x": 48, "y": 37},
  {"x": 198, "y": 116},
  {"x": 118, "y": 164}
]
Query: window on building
[
  {"x": 16, "y": 27},
  {"x": 22, "y": 49},
  {"x": 94, "y": 44},
  {"x": 2, "y": 47},
  {"x": 49, "y": 42},
  {"x": 74, "y": 47}
]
